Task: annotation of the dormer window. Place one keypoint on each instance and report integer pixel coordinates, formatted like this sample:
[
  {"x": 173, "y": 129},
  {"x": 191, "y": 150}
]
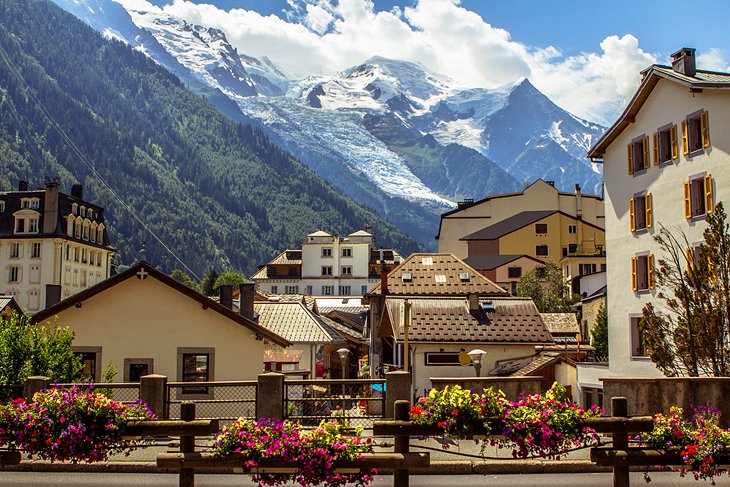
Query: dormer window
[
  {"x": 74, "y": 208},
  {"x": 2, "y": 206},
  {"x": 35, "y": 203}
]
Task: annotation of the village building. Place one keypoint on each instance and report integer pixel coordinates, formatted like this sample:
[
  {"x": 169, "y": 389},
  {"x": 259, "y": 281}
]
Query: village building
[{"x": 52, "y": 244}]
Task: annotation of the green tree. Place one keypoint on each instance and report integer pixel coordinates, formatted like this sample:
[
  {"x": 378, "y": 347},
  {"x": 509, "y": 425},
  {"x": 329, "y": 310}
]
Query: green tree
[
  {"x": 547, "y": 288},
  {"x": 230, "y": 278},
  {"x": 693, "y": 337},
  {"x": 183, "y": 278},
  {"x": 208, "y": 283},
  {"x": 599, "y": 333},
  {"x": 27, "y": 349}
]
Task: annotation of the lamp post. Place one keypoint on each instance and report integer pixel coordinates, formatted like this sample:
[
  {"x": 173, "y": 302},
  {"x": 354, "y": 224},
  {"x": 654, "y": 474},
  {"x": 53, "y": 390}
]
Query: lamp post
[
  {"x": 477, "y": 356},
  {"x": 343, "y": 353}
]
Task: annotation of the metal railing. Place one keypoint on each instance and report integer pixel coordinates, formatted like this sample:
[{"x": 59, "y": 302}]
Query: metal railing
[
  {"x": 223, "y": 400},
  {"x": 354, "y": 402}
]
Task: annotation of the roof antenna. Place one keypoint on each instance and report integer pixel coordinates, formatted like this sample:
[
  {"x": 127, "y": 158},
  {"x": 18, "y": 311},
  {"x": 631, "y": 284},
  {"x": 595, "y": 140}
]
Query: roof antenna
[{"x": 143, "y": 251}]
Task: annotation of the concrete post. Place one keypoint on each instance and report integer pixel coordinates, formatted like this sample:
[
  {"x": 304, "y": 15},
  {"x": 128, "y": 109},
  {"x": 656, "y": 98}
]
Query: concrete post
[
  {"x": 397, "y": 388},
  {"x": 35, "y": 384},
  {"x": 153, "y": 392},
  {"x": 270, "y": 396}
]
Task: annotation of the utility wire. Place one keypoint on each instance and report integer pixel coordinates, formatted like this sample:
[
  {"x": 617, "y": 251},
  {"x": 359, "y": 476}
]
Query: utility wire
[{"x": 49, "y": 117}]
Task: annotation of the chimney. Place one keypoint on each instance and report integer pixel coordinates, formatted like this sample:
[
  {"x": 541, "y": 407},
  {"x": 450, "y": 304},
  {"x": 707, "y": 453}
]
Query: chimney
[
  {"x": 683, "y": 61},
  {"x": 22, "y": 185},
  {"x": 50, "y": 206},
  {"x": 384, "y": 280},
  {"x": 475, "y": 308},
  {"x": 247, "y": 293},
  {"x": 578, "y": 203},
  {"x": 77, "y": 191},
  {"x": 53, "y": 294},
  {"x": 226, "y": 294}
]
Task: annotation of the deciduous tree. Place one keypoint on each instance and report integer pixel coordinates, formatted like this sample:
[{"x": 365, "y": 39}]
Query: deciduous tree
[{"x": 547, "y": 288}]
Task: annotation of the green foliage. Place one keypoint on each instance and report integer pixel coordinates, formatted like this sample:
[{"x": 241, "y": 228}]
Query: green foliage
[
  {"x": 183, "y": 278},
  {"x": 207, "y": 284},
  {"x": 219, "y": 194},
  {"x": 27, "y": 350},
  {"x": 547, "y": 288},
  {"x": 693, "y": 337},
  {"x": 228, "y": 278},
  {"x": 599, "y": 333}
]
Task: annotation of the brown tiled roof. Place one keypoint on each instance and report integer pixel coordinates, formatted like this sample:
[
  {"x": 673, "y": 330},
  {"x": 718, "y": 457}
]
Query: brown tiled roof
[
  {"x": 512, "y": 320},
  {"x": 345, "y": 331},
  {"x": 537, "y": 365},
  {"x": 561, "y": 323},
  {"x": 286, "y": 356},
  {"x": 437, "y": 275},
  {"x": 6, "y": 301},
  {"x": 294, "y": 322}
]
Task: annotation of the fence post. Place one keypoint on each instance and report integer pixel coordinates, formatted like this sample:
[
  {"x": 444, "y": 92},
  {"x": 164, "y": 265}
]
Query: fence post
[
  {"x": 397, "y": 388},
  {"x": 270, "y": 396},
  {"x": 620, "y": 408},
  {"x": 35, "y": 384},
  {"x": 402, "y": 443},
  {"x": 153, "y": 392},
  {"x": 187, "y": 444}
]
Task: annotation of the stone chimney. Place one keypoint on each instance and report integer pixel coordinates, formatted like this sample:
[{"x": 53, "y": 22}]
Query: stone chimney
[
  {"x": 22, "y": 185},
  {"x": 384, "y": 280},
  {"x": 53, "y": 294},
  {"x": 683, "y": 61},
  {"x": 77, "y": 191},
  {"x": 475, "y": 309},
  {"x": 226, "y": 295},
  {"x": 578, "y": 203},
  {"x": 50, "y": 206},
  {"x": 247, "y": 293}
]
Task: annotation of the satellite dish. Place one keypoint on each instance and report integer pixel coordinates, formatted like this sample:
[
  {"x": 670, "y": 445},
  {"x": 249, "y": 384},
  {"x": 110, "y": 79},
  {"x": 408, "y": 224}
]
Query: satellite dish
[{"x": 464, "y": 359}]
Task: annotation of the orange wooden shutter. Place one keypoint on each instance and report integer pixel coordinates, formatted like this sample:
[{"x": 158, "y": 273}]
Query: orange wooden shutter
[
  {"x": 673, "y": 137},
  {"x": 630, "y": 155},
  {"x": 645, "y": 147},
  {"x": 634, "y": 281},
  {"x": 687, "y": 201},
  {"x": 705, "y": 129},
  {"x": 709, "y": 200},
  {"x": 632, "y": 215},
  {"x": 650, "y": 270},
  {"x": 649, "y": 211},
  {"x": 655, "y": 136},
  {"x": 685, "y": 139}
]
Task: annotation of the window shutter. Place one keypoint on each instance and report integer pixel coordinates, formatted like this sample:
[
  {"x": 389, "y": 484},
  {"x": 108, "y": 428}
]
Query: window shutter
[
  {"x": 685, "y": 139},
  {"x": 673, "y": 137},
  {"x": 650, "y": 270},
  {"x": 705, "y": 129},
  {"x": 645, "y": 147},
  {"x": 709, "y": 206},
  {"x": 655, "y": 136},
  {"x": 634, "y": 281},
  {"x": 649, "y": 211},
  {"x": 632, "y": 215},
  {"x": 630, "y": 155},
  {"x": 687, "y": 201}
]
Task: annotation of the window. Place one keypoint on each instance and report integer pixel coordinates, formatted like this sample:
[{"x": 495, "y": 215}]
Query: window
[
  {"x": 14, "y": 250},
  {"x": 698, "y": 196},
  {"x": 20, "y": 225},
  {"x": 514, "y": 272},
  {"x": 76, "y": 254},
  {"x": 541, "y": 228},
  {"x": 100, "y": 234},
  {"x": 665, "y": 144},
  {"x": 347, "y": 252},
  {"x": 2, "y": 206},
  {"x": 135, "y": 368},
  {"x": 35, "y": 274},
  {"x": 541, "y": 250},
  {"x": 14, "y": 273},
  {"x": 77, "y": 229},
  {"x": 33, "y": 225},
  {"x": 327, "y": 290},
  {"x": 442, "y": 358},
  {"x": 195, "y": 365},
  {"x": 363, "y": 289},
  {"x": 35, "y": 203},
  {"x": 83, "y": 278},
  {"x": 326, "y": 270},
  {"x": 274, "y": 289},
  {"x": 346, "y": 270},
  {"x": 309, "y": 290},
  {"x": 24, "y": 203},
  {"x": 326, "y": 251},
  {"x": 91, "y": 362},
  {"x": 638, "y": 154},
  {"x": 591, "y": 396},
  {"x": 293, "y": 271},
  {"x": 291, "y": 289},
  {"x": 572, "y": 229},
  {"x": 642, "y": 272},
  {"x": 585, "y": 269},
  {"x": 35, "y": 251},
  {"x": 34, "y": 299},
  {"x": 695, "y": 132},
  {"x": 637, "y": 341},
  {"x": 84, "y": 256},
  {"x": 345, "y": 290},
  {"x": 641, "y": 212}
]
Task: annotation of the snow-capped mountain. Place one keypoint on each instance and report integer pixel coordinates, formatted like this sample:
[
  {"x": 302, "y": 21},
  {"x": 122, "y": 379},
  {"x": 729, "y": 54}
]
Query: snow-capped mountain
[{"x": 406, "y": 141}]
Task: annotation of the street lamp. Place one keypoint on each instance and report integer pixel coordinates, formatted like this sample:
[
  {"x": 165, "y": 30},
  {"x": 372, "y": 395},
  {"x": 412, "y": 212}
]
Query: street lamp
[
  {"x": 343, "y": 353},
  {"x": 477, "y": 356}
]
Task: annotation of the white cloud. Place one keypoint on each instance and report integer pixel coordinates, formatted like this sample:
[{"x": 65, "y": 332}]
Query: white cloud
[
  {"x": 713, "y": 60},
  {"x": 325, "y": 36}
]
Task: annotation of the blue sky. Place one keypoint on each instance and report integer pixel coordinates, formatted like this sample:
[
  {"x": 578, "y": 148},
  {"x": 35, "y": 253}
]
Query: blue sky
[{"x": 585, "y": 55}]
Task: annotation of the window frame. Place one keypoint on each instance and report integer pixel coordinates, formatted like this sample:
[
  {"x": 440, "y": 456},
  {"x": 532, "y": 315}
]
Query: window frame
[
  {"x": 639, "y": 146},
  {"x": 641, "y": 212},
  {"x": 14, "y": 278},
  {"x": 128, "y": 362},
  {"x": 327, "y": 270},
  {"x": 695, "y": 198},
  {"x": 328, "y": 290},
  {"x": 572, "y": 229},
  {"x": 547, "y": 250},
  {"x": 666, "y": 148},
  {"x": 428, "y": 356},
  {"x": 346, "y": 270},
  {"x": 637, "y": 349},
  {"x": 695, "y": 133},
  {"x": 643, "y": 265},
  {"x": 510, "y": 273},
  {"x": 346, "y": 252},
  {"x": 97, "y": 351},
  {"x": 541, "y": 228},
  {"x": 326, "y": 252},
  {"x": 189, "y": 392},
  {"x": 344, "y": 288}
]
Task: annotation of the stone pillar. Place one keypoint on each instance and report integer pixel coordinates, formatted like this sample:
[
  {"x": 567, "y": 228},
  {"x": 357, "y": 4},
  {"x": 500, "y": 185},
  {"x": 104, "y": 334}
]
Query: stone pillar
[
  {"x": 35, "y": 384},
  {"x": 270, "y": 396},
  {"x": 153, "y": 392},
  {"x": 397, "y": 388}
]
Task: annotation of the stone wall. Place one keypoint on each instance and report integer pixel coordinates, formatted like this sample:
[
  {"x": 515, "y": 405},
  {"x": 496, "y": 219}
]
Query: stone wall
[
  {"x": 648, "y": 396},
  {"x": 511, "y": 386}
]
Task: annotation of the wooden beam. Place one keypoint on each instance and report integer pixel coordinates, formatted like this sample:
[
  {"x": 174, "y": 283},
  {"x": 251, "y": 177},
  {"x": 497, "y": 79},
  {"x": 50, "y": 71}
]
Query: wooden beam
[
  {"x": 637, "y": 456},
  {"x": 198, "y": 427},
  {"x": 9, "y": 458}
]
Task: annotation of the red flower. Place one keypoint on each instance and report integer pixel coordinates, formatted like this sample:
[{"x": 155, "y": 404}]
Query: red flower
[
  {"x": 454, "y": 412},
  {"x": 442, "y": 424},
  {"x": 416, "y": 410},
  {"x": 19, "y": 400}
]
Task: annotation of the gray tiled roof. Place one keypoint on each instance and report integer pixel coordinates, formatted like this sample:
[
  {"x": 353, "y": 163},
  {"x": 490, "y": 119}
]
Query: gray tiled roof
[
  {"x": 489, "y": 262},
  {"x": 509, "y": 225},
  {"x": 294, "y": 322},
  {"x": 561, "y": 323}
]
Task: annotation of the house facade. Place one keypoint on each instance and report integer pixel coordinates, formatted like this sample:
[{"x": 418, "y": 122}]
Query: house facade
[
  {"x": 327, "y": 265},
  {"x": 52, "y": 244},
  {"x": 665, "y": 165}
]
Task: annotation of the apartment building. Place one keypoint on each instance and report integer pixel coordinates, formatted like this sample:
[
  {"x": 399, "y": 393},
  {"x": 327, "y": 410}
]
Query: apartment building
[{"x": 52, "y": 244}]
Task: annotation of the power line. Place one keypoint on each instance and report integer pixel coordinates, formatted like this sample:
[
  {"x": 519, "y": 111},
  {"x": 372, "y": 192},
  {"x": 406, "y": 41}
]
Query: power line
[{"x": 49, "y": 117}]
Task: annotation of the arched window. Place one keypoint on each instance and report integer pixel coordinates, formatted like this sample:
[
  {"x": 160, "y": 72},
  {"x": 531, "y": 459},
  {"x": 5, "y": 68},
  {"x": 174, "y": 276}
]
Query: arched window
[
  {"x": 92, "y": 232},
  {"x": 70, "y": 225},
  {"x": 100, "y": 234},
  {"x": 85, "y": 234},
  {"x": 77, "y": 230},
  {"x": 74, "y": 208}
]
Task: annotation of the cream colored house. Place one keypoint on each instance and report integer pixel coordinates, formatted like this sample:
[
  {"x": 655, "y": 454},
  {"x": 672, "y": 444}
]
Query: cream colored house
[
  {"x": 52, "y": 244},
  {"x": 143, "y": 322},
  {"x": 471, "y": 217},
  {"x": 665, "y": 163}
]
